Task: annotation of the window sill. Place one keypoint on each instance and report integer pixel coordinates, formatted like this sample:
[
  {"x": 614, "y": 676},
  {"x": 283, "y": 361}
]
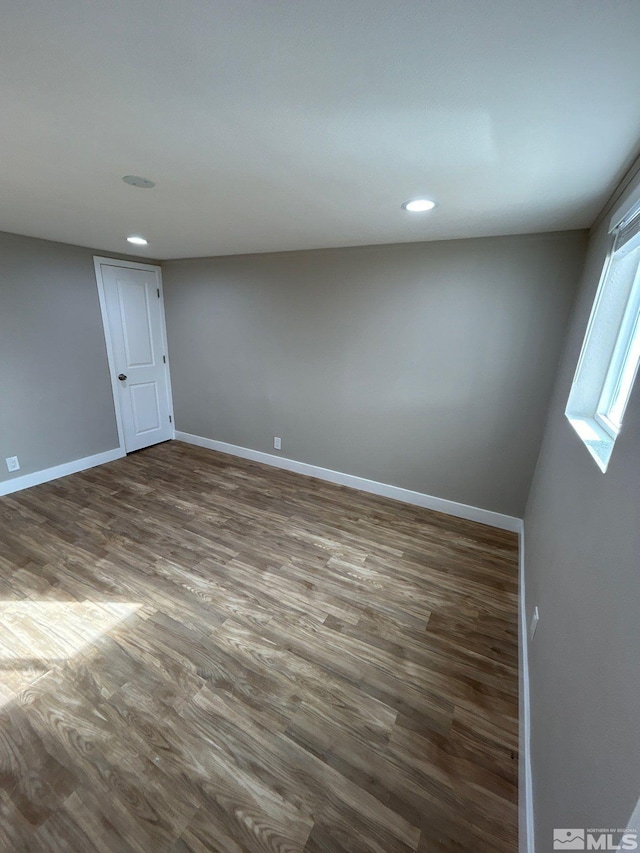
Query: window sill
[{"x": 597, "y": 441}]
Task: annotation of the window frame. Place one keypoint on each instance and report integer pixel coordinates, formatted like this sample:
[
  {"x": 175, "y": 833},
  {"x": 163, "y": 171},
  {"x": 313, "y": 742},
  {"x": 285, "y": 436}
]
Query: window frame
[
  {"x": 628, "y": 337},
  {"x": 611, "y": 339}
]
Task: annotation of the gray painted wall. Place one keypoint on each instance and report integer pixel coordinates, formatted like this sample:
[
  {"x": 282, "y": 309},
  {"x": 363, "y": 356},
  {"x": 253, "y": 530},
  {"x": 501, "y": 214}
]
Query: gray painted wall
[
  {"x": 582, "y": 569},
  {"x": 423, "y": 365},
  {"x": 55, "y": 394}
]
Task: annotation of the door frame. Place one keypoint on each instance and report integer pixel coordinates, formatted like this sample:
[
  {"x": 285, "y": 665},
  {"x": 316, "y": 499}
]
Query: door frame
[{"x": 98, "y": 260}]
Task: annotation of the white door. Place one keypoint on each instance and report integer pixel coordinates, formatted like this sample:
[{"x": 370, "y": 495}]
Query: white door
[{"x": 134, "y": 329}]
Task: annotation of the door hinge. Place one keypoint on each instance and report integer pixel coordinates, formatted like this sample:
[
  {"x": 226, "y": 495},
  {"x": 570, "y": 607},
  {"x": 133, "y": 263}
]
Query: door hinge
[
  {"x": 170, "y": 419},
  {"x": 158, "y": 292},
  {"x": 164, "y": 359}
]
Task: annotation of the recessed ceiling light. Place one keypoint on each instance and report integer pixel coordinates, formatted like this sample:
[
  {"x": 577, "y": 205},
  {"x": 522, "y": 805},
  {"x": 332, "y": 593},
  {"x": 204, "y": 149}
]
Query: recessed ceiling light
[
  {"x": 418, "y": 205},
  {"x": 137, "y": 241},
  {"x": 137, "y": 181}
]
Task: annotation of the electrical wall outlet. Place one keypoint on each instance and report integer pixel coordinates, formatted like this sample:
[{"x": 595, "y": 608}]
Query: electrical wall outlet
[
  {"x": 277, "y": 442},
  {"x": 12, "y": 463},
  {"x": 534, "y": 623}
]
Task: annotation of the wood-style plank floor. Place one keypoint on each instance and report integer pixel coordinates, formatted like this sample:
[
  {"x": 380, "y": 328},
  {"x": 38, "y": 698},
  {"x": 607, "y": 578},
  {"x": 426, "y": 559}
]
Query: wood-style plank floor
[{"x": 199, "y": 653}]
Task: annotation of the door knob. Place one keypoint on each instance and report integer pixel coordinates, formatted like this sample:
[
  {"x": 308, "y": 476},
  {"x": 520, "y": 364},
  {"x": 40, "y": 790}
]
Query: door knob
[{"x": 121, "y": 377}]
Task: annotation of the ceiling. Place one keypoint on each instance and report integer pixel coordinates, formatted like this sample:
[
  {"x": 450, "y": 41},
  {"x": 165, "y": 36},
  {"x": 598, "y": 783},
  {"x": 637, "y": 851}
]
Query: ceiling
[{"x": 292, "y": 124}]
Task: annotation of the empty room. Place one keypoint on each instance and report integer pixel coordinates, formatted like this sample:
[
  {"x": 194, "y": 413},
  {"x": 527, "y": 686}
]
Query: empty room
[{"x": 319, "y": 426}]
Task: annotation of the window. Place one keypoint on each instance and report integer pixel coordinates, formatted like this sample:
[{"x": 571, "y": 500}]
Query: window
[{"x": 611, "y": 350}]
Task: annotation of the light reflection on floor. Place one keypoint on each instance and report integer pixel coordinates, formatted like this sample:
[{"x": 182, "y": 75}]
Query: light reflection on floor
[{"x": 37, "y": 635}]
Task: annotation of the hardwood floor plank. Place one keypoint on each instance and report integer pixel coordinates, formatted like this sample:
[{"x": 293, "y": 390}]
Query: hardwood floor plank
[
  {"x": 200, "y": 653},
  {"x": 304, "y": 780}
]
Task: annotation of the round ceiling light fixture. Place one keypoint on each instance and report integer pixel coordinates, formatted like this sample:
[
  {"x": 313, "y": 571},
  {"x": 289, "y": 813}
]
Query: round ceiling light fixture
[
  {"x": 137, "y": 240},
  {"x": 137, "y": 181},
  {"x": 418, "y": 205}
]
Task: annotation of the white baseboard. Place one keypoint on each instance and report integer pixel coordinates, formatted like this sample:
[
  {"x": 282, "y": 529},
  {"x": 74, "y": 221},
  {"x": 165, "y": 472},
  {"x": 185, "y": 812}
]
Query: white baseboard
[
  {"x": 38, "y": 477},
  {"x": 471, "y": 513},
  {"x": 525, "y": 786}
]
